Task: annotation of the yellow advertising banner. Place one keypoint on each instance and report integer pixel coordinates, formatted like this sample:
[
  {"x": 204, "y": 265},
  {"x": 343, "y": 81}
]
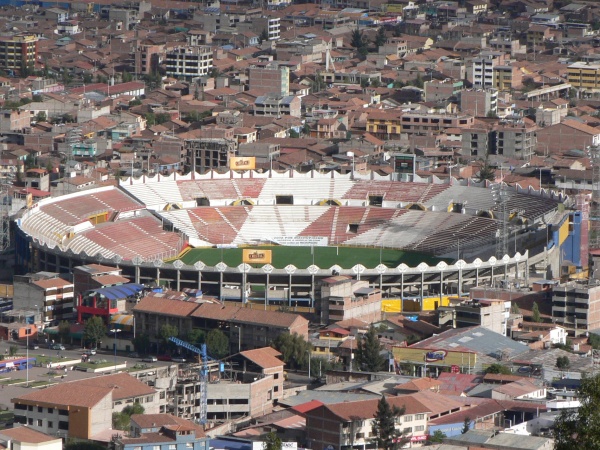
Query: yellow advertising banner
[
  {"x": 434, "y": 356},
  {"x": 239, "y": 163},
  {"x": 29, "y": 200},
  {"x": 254, "y": 256}
]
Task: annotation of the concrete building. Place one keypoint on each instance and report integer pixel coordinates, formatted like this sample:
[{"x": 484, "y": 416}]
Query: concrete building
[
  {"x": 162, "y": 432},
  {"x": 37, "y": 179},
  {"x": 209, "y": 153},
  {"x": 82, "y": 409},
  {"x": 14, "y": 120},
  {"x": 23, "y": 438},
  {"x": 517, "y": 139},
  {"x": 262, "y": 151},
  {"x": 507, "y": 77},
  {"x": 489, "y": 313},
  {"x": 584, "y": 76},
  {"x": 94, "y": 276},
  {"x": 567, "y": 135},
  {"x": 576, "y": 307},
  {"x": 479, "y": 102},
  {"x": 341, "y": 298},
  {"x": 17, "y": 52},
  {"x": 258, "y": 25},
  {"x": 48, "y": 294},
  {"x": 483, "y": 68},
  {"x": 277, "y": 105},
  {"x": 442, "y": 90},
  {"x": 385, "y": 124},
  {"x": 423, "y": 124},
  {"x": 189, "y": 62},
  {"x": 272, "y": 78},
  {"x": 478, "y": 142}
]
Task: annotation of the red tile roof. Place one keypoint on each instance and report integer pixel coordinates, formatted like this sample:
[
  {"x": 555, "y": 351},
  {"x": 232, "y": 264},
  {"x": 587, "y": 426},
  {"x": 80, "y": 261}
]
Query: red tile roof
[
  {"x": 263, "y": 358},
  {"x": 27, "y": 435}
]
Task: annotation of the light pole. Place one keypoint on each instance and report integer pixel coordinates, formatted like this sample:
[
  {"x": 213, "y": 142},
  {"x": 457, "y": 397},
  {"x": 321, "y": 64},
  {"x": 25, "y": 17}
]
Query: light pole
[
  {"x": 115, "y": 330},
  {"x": 328, "y": 347},
  {"x": 27, "y": 355},
  {"x": 239, "y": 327},
  {"x": 309, "y": 379}
]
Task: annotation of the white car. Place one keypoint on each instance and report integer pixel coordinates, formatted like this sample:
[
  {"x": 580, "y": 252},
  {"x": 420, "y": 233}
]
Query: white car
[{"x": 178, "y": 359}]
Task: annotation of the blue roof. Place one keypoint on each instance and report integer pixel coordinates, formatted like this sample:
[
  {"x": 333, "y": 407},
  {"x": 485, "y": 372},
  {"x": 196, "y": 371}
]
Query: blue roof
[{"x": 120, "y": 291}]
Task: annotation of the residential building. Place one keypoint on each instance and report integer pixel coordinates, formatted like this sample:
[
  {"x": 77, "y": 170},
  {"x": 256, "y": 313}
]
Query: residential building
[
  {"x": 341, "y": 298},
  {"x": 272, "y": 78},
  {"x": 94, "y": 276},
  {"x": 249, "y": 391},
  {"x": 263, "y": 152},
  {"x": 18, "y": 438},
  {"x": 483, "y": 68},
  {"x": 17, "y": 52},
  {"x": 507, "y": 77},
  {"x": 478, "y": 141},
  {"x": 487, "y": 313},
  {"x": 148, "y": 57},
  {"x": 442, "y": 90},
  {"x": 567, "y": 135},
  {"x": 385, "y": 124},
  {"x": 248, "y": 328},
  {"x": 210, "y": 153},
  {"x": 82, "y": 409},
  {"x": 537, "y": 35},
  {"x": 479, "y": 102},
  {"x": 517, "y": 139},
  {"x": 349, "y": 425},
  {"x": 14, "y": 120},
  {"x": 162, "y": 432},
  {"x": 46, "y": 293},
  {"x": 37, "y": 179},
  {"x": 277, "y": 105},
  {"x": 259, "y": 25},
  {"x": 584, "y": 76},
  {"x": 189, "y": 62},
  {"x": 423, "y": 124},
  {"x": 107, "y": 301},
  {"x": 576, "y": 307},
  {"x": 394, "y": 46}
]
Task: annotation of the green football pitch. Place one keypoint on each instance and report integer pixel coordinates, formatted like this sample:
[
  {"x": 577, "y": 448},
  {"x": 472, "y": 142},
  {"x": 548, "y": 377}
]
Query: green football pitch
[{"x": 324, "y": 257}]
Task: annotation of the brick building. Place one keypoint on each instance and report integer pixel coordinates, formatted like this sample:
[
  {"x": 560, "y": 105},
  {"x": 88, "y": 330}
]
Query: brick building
[{"x": 343, "y": 298}]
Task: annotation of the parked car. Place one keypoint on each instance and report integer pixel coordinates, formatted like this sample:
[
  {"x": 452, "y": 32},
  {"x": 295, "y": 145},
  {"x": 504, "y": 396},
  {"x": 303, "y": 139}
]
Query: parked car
[
  {"x": 164, "y": 357},
  {"x": 33, "y": 346},
  {"x": 92, "y": 351},
  {"x": 178, "y": 359},
  {"x": 149, "y": 359},
  {"x": 57, "y": 347},
  {"x": 133, "y": 355}
]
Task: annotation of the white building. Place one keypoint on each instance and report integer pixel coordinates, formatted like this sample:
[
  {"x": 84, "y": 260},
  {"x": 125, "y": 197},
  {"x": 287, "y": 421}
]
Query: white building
[{"x": 189, "y": 62}]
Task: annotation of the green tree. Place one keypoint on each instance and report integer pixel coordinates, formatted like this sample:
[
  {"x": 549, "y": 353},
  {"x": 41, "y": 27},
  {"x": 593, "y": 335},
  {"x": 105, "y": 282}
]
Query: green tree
[
  {"x": 150, "y": 119},
  {"x": 499, "y": 369},
  {"x": 141, "y": 343},
  {"x": 594, "y": 341},
  {"x": 64, "y": 330},
  {"x": 41, "y": 117},
  {"x": 514, "y": 308},
  {"x": 87, "y": 78},
  {"x": 535, "y": 313},
  {"x": 380, "y": 37},
  {"x": 126, "y": 77},
  {"x": 135, "y": 102},
  {"x": 437, "y": 437},
  {"x": 486, "y": 172},
  {"x": 272, "y": 442},
  {"x": 166, "y": 332},
  {"x": 13, "y": 350},
  {"x": 94, "y": 330},
  {"x": 466, "y": 425},
  {"x": 196, "y": 336},
  {"x": 122, "y": 420},
  {"x": 563, "y": 362},
  {"x": 418, "y": 82},
  {"x": 217, "y": 343},
  {"x": 162, "y": 118},
  {"x": 294, "y": 133},
  {"x": 294, "y": 349},
  {"x": 384, "y": 425},
  {"x": 264, "y": 36},
  {"x": 368, "y": 352},
  {"x": 578, "y": 428}
]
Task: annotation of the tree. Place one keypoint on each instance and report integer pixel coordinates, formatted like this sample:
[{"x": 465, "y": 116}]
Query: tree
[
  {"x": 162, "y": 118},
  {"x": 535, "y": 313},
  {"x": 368, "y": 352},
  {"x": 466, "y": 425},
  {"x": 272, "y": 442},
  {"x": 141, "y": 343},
  {"x": 294, "y": 349},
  {"x": 594, "y": 341},
  {"x": 514, "y": 308},
  {"x": 578, "y": 428},
  {"x": 41, "y": 117},
  {"x": 563, "y": 362},
  {"x": 217, "y": 343},
  {"x": 498, "y": 368},
  {"x": 384, "y": 425},
  {"x": 437, "y": 437},
  {"x": 380, "y": 37},
  {"x": 126, "y": 77},
  {"x": 150, "y": 119},
  {"x": 94, "y": 330},
  {"x": 122, "y": 420},
  {"x": 166, "y": 332},
  {"x": 486, "y": 172},
  {"x": 64, "y": 330},
  {"x": 264, "y": 36},
  {"x": 196, "y": 336},
  {"x": 360, "y": 42},
  {"x": 418, "y": 82}
]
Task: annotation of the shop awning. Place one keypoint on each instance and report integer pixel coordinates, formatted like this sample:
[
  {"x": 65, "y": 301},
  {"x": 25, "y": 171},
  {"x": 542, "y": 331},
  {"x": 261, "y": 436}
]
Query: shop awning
[{"x": 122, "y": 319}]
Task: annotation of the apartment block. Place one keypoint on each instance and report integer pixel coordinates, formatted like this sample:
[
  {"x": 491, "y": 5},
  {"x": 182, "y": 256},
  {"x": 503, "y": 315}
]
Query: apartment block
[
  {"x": 271, "y": 78},
  {"x": 442, "y": 90},
  {"x": 17, "y": 52},
  {"x": 584, "y": 76},
  {"x": 189, "y": 62},
  {"x": 507, "y": 77},
  {"x": 48, "y": 294},
  {"x": 487, "y": 313},
  {"x": 483, "y": 68},
  {"x": 517, "y": 139},
  {"x": 576, "y": 307},
  {"x": 277, "y": 105},
  {"x": 342, "y": 298},
  {"x": 423, "y": 124},
  {"x": 479, "y": 102}
]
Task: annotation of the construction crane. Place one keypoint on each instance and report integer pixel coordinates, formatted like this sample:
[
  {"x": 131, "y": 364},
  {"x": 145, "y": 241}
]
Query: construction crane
[{"x": 204, "y": 358}]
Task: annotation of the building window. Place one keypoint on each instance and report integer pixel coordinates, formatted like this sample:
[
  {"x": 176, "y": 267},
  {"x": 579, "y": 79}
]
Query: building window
[
  {"x": 407, "y": 430},
  {"x": 40, "y": 423},
  {"x": 172, "y": 446},
  {"x": 50, "y": 410},
  {"x": 40, "y": 409},
  {"x": 30, "y": 421},
  {"x": 420, "y": 417},
  {"x": 50, "y": 424},
  {"x": 408, "y": 418},
  {"x": 419, "y": 427}
]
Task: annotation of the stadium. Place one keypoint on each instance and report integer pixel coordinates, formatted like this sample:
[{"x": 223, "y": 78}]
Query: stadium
[{"x": 419, "y": 242}]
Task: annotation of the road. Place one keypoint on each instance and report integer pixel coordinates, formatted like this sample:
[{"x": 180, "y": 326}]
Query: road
[{"x": 34, "y": 374}]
